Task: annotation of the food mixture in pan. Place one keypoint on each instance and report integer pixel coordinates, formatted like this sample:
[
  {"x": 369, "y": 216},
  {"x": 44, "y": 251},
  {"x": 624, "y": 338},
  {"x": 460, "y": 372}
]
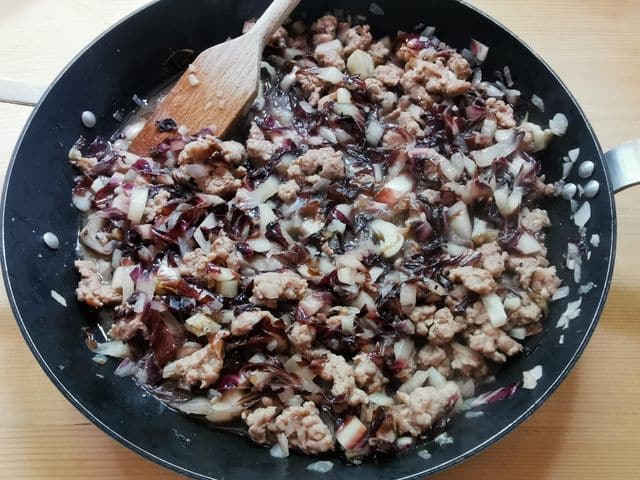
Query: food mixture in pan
[{"x": 345, "y": 274}]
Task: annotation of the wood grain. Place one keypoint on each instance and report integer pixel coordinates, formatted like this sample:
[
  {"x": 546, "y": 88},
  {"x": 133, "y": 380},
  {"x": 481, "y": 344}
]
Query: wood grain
[{"x": 588, "y": 430}]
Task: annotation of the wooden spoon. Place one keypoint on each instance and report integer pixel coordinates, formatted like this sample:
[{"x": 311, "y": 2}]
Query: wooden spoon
[{"x": 220, "y": 84}]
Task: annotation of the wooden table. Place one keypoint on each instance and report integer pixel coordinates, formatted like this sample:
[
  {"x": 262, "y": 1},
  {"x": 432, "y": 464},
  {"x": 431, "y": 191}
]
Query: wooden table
[{"x": 587, "y": 430}]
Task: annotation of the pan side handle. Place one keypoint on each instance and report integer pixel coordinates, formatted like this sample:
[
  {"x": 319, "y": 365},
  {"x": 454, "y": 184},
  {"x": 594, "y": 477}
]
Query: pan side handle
[
  {"x": 20, "y": 93},
  {"x": 623, "y": 164}
]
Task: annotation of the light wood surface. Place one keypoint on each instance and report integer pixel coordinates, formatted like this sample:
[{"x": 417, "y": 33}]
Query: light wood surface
[
  {"x": 588, "y": 430},
  {"x": 219, "y": 86}
]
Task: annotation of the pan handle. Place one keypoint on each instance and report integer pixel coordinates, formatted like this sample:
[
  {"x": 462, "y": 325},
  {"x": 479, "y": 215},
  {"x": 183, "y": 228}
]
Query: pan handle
[
  {"x": 623, "y": 163},
  {"x": 20, "y": 93}
]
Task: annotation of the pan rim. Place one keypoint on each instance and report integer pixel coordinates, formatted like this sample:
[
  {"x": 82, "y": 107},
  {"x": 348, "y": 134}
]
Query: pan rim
[{"x": 542, "y": 397}]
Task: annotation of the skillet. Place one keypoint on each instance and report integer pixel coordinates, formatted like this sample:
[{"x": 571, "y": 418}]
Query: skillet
[{"x": 148, "y": 49}]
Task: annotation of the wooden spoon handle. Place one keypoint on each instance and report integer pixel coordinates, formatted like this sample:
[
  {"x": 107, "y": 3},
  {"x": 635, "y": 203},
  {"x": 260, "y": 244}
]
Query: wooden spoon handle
[{"x": 272, "y": 18}]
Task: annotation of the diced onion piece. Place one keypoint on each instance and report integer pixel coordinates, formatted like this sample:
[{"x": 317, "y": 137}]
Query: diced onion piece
[
  {"x": 137, "y": 204},
  {"x": 343, "y": 95},
  {"x": 351, "y": 433},
  {"x": 379, "y": 398},
  {"x": 361, "y": 63},
  {"x": 122, "y": 280},
  {"x": 374, "y": 132},
  {"x": 417, "y": 380},
  {"x": 267, "y": 216},
  {"x": 561, "y": 293},
  {"x": 390, "y": 236},
  {"x": 330, "y": 74},
  {"x": 408, "y": 295},
  {"x": 486, "y": 157},
  {"x": 195, "y": 170},
  {"x": 519, "y": 333},
  {"x": 196, "y": 406},
  {"x": 530, "y": 377},
  {"x": 201, "y": 325},
  {"x": 583, "y": 215},
  {"x": 503, "y": 135},
  {"x": 537, "y": 102},
  {"x": 403, "y": 349},
  {"x": 347, "y": 323},
  {"x": 323, "y": 466},
  {"x": 541, "y": 138},
  {"x": 268, "y": 188},
  {"x": 58, "y": 298},
  {"x": 479, "y": 50},
  {"x": 227, "y": 407},
  {"x": 459, "y": 221},
  {"x": 114, "y": 348},
  {"x": 202, "y": 242},
  {"x": 489, "y": 127},
  {"x": 559, "y": 124},
  {"x": 574, "y": 154},
  {"x": 394, "y": 189},
  {"x": 495, "y": 310},
  {"x": 82, "y": 202},
  {"x": 453, "y": 249},
  {"x": 333, "y": 46},
  {"x": 261, "y": 245},
  {"x": 528, "y": 245},
  {"x": 436, "y": 379}
]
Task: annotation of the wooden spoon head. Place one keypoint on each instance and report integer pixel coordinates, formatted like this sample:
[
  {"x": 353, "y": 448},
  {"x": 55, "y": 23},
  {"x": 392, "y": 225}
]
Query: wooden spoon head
[{"x": 215, "y": 90}]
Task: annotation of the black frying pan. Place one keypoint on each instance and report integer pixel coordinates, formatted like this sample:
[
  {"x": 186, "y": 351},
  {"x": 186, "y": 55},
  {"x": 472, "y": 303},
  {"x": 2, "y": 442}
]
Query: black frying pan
[{"x": 144, "y": 51}]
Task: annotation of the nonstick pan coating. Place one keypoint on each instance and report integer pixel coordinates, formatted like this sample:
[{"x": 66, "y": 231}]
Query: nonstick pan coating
[{"x": 138, "y": 55}]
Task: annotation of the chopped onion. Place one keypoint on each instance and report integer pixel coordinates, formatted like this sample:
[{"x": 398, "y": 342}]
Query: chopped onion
[
  {"x": 195, "y": 170},
  {"x": 390, "y": 235},
  {"x": 195, "y": 406},
  {"x": 572, "y": 311},
  {"x": 418, "y": 379},
  {"x": 323, "y": 466},
  {"x": 538, "y": 102},
  {"x": 582, "y": 216},
  {"x": 127, "y": 368},
  {"x": 351, "y": 433},
  {"x": 394, "y": 189},
  {"x": 459, "y": 221},
  {"x": 114, "y": 348},
  {"x": 331, "y": 75},
  {"x": 561, "y": 293},
  {"x": 519, "y": 333},
  {"x": 379, "y": 398},
  {"x": 403, "y": 349},
  {"x": 479, "y": 50},
  {"x": 530, "y": 377},
  {"x": 82, "y": 202},
  {"x": 444, "y": 439},
  {"x": 408, "y": 295},
  {"x": 137, "y": 204},
  {"x": 58, "y": 298},
  {"x": 424, "y": 454},
  {"x": 486, "y": 157},
  {"x": 586, "y": 288},
  {"x": 201, "y": 325},
  {"x": 360, "y": 63},
  {"x": 595, "y": 240},
  {"x": 528, "y": 245},
  {"x": 374, "y": 132},
  {"x": 574, "y": 154},
  {"x": 436, "y": 379},
  {"x": 559, "y": 124},
  {"x": 495, "y": 310}
]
